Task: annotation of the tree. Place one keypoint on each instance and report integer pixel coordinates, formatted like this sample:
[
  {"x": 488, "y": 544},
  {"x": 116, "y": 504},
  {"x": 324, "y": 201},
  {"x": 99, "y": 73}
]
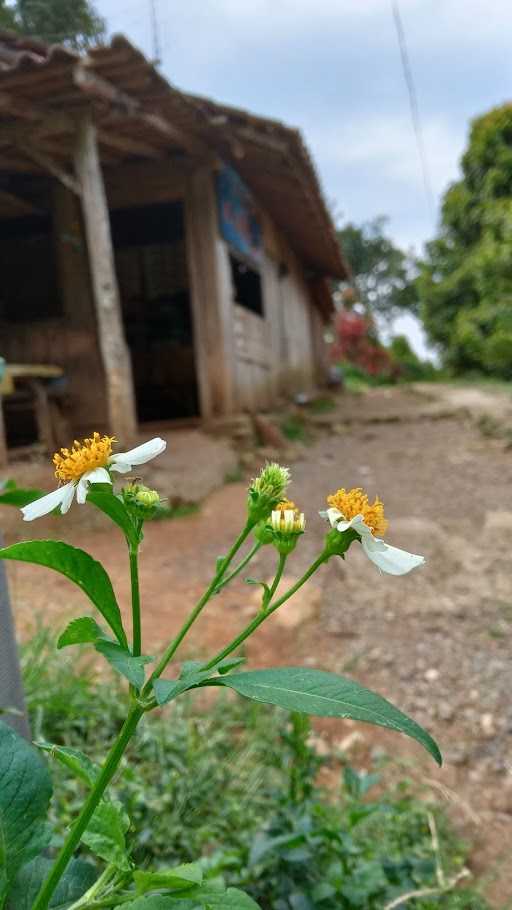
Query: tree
[
  {"x": 7, "y": 17},
  {"x": 382, "y": 273},
  {"x": 72, "y": 22},
  {"x": 465, "y": 283}
]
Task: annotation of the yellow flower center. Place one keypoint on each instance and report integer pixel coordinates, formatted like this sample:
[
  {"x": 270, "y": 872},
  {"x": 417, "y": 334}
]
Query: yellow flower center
[
  {"x": 283, "y": 520},
  {"x": 355, "y": 502},
  {"x": 71, "y": 464}
]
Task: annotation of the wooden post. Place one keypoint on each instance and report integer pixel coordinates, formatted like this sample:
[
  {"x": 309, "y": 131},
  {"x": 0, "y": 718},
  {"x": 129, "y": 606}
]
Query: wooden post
[
  {"x": 212, "y": 305},
  {"x": 115, "y": 355}
]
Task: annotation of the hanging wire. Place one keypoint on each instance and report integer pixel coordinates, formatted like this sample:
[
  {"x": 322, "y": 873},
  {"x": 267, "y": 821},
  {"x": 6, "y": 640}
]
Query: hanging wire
[{"x": 413, "y": 103}]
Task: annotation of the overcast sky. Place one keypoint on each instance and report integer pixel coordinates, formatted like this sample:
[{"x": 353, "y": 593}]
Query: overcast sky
[{"x": 332, "y": 68}]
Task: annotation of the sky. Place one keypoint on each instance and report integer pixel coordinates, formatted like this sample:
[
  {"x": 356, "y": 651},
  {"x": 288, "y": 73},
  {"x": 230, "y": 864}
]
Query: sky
[{"x": 333, "y": 68}]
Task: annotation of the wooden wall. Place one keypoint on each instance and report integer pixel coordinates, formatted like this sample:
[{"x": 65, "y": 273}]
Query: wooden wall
[{"x": 69, "y": 340}]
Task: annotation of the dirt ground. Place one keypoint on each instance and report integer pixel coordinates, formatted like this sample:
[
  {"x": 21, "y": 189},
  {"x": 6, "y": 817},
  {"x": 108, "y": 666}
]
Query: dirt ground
[{"x": 436, "y": 643}]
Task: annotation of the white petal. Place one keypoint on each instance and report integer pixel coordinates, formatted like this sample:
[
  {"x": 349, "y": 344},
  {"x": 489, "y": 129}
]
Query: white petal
[
  {"x": 124, "y": 461},
  {"x": 332, "y": 516},
  {"x": 97, "y": 475},
  {"x": 62, "y": 497},
  {"x": 390, "y": 559}
]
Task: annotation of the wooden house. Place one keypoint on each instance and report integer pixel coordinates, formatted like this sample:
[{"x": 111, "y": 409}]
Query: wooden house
[{"x": 168, "y": 255}]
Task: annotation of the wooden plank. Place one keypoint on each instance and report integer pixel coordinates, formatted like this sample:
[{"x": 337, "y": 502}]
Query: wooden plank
[
  {"x": 48, "y": 164},
  {"x": 145, "y": 183},
  {"x": 115, "y": 355},
  {"x": 96, "y": 87},
  {"x": 211, "y": 297},
  {"x": 127, "y": 145}
]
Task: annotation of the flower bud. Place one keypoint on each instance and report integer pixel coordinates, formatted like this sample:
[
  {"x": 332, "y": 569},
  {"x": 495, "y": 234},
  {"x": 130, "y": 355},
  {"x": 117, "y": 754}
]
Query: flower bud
[
  {"x": 267, "y": 491},
  {"x": 141, "y": 499},
  {"x": 286, "y": 525}
]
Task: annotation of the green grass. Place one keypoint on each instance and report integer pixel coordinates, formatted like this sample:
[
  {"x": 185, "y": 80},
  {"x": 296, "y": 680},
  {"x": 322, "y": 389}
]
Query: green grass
[{"x": 295, "y": 429}]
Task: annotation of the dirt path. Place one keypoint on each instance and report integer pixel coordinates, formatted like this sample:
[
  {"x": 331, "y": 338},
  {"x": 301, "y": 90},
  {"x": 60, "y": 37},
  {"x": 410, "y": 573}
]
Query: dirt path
[{"x": 437, "y": 642}]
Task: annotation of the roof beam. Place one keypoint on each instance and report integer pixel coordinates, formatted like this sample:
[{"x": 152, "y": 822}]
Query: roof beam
[
  {"x": 128, "y": 145},
  {"x": 52, "y": 167},
  {"x": 102, "y": 90}
]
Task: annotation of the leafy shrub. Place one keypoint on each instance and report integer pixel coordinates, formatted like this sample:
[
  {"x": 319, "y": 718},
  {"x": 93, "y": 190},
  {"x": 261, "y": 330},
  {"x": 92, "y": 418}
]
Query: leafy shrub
[{"x": 260, "y": 820}]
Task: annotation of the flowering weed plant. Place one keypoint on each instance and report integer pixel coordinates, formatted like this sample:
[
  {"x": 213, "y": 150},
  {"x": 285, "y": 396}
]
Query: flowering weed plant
[{"x": 29, "y": 879}]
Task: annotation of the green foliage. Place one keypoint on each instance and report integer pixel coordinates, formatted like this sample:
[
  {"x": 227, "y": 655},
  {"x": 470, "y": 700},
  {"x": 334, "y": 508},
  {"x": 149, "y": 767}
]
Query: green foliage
[
  {"x": 72, "y": 22},
  {"x": 409, "y": 366},
  {"x": 295, "y": 429},
  {"x": 383, "y": 274},
  {"x": 80, "y": 568},
  {"x": 10, "y": 493},
  {"x": 78, "y": 877},
  {"x": 23, "y": 829},
  {"x": 326, "y": 695},
  {"x": 261, "y": 818},
  {"x": 465, "y": 284}
]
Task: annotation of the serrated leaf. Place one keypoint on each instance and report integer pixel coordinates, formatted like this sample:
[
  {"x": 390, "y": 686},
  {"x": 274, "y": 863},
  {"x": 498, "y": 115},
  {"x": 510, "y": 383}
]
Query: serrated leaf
[
  {"x": 80, "y": 631},
  {"x": 78, "y": 877},
  {"x": 123, "y": 662},
  {"x": 326, "y": 695},
  {"x": 25, "y": 791},
  {"x": 178, "y": 879},
  {"x": 78, "y": 763},
  {"x": 80, "y": 568},
  {"x": 204, "y": 897},
  {"x": 105, "y": 835},
  {"x": 115, "y": 509}
]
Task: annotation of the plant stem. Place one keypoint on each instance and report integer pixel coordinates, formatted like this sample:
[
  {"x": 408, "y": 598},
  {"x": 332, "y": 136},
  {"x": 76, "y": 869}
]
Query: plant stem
[
  {"x": 104, "y": 879},
  {"x": 136, "y": 622},
  {"x": 170, "y": 651},
  {"x": 91, "y": 803},
  {"x": 264, "y": 614},
  {"x": 279, "y": 574},
  {"x": 241, "y": 565}
]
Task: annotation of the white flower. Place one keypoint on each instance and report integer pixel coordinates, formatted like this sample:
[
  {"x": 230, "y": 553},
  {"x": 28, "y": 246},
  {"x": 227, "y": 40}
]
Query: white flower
[
  {"x": 388, "y": 559},
  {"x": 87, "y": 463}
]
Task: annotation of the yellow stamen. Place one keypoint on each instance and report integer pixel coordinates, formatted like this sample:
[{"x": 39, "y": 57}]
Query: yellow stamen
[
  {"x": 355, "y": 502},
  {"x": 84, "y": 456},
  {"x": 287, "y": 518}
]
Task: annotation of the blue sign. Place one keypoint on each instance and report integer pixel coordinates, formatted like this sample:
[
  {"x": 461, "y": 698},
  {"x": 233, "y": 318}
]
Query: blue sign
[{"x": 238, "y": 220}]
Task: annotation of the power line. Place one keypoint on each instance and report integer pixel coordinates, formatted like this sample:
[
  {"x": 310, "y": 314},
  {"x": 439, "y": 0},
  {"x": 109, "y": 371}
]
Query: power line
[{"x": 413, "y": 103}]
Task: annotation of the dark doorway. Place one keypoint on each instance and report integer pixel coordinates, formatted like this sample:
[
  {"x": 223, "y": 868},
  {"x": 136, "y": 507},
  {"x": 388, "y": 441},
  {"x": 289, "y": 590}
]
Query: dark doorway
[{"x": 149, "y": 243}]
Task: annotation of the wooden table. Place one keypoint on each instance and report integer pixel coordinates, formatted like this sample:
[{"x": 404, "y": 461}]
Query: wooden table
[{"x": 35, "y": 377}]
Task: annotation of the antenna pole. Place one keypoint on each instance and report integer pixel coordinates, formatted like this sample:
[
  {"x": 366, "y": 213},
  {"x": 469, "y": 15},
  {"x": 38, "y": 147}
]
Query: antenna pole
[{"x": 155, "y": 35}]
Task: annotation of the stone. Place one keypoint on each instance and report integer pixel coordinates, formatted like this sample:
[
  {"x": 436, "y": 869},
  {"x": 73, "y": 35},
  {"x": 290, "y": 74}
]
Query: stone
[
  {"x": 487, "y": 725},
  {"x": 432, "y": 674}
]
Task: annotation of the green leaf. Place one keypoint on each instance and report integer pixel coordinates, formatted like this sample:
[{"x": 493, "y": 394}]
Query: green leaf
[
  {"x": 325, "y": 695},
  {"x": 105, "y": 835},
  {"x": 205, "y": 897},
  {"x": 12, "y": 495},
  {"x": 177, "y": 879},
  {"x": 228, "y": 664},
  {"x": 80, "y": 631},
  {"x": 80, "y": 765},
  {"x": 25, "y": 791},
  {"x": 191, "y": 675},
  {"x": 78, "y": 877},
  {"x": 167, "y": 690},
  {"x": 115, "y": 509},
  {"x": 79, "y": 567},
  {"x": 263, "y": 584},
  {"x": 123, "y": 662}
]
